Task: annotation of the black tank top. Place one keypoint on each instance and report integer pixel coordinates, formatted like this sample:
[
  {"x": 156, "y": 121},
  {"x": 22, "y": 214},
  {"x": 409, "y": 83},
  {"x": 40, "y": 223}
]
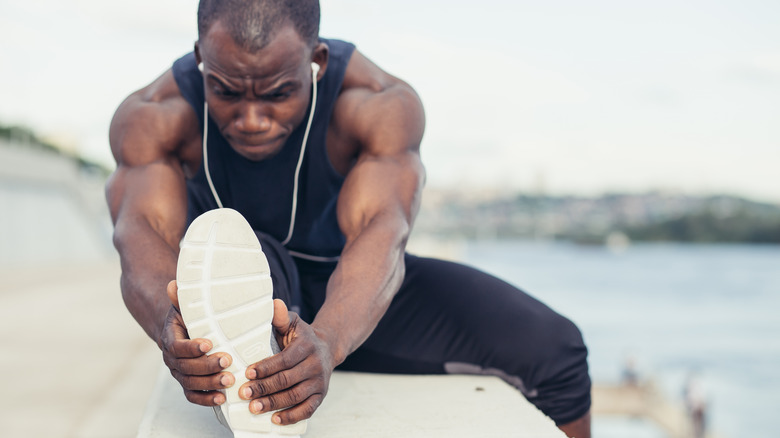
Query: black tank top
[{"x": 262, "y": 191}]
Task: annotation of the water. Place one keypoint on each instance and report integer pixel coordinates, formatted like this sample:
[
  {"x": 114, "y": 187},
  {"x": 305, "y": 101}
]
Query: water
[{"x": 677, "y": 309}]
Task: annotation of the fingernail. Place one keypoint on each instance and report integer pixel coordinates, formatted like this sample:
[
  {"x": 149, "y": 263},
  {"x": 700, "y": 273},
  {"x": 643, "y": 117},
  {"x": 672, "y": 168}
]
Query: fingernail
[
  {"x": 204, "y": 347},
  {"x": 246, "y": 392},
  {"x": 226, "y": 380},
  {"x": 277, "y": 419},
  {"x": 224, "y": 362},
  {"x": 257, "y": 406},
  {"x": 251, "y": 373},
  {"x": 219, "y": 399}
]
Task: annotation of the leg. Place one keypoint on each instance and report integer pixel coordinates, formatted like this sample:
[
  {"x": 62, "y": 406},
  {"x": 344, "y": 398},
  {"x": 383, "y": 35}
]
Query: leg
[
  {"x": 454, "y": 319},
  {"x": 284, "y": 273},
  {"x": 579, "y": 428}
]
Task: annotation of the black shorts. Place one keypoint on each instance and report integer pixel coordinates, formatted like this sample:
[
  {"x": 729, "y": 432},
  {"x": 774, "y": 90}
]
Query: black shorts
[{"x": 450, "y": 318}]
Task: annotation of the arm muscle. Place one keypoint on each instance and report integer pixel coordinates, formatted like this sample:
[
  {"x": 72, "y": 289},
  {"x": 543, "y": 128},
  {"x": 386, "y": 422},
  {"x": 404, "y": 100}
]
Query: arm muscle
[{"x": 147, "y": 199}]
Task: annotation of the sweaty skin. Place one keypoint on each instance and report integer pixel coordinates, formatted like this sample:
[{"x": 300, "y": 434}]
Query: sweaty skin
[{"x": 257, "y": 100}]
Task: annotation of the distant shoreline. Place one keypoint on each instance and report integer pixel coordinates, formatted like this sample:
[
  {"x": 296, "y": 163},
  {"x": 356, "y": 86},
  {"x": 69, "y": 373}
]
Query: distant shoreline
[{"x": 606, "y": 219}]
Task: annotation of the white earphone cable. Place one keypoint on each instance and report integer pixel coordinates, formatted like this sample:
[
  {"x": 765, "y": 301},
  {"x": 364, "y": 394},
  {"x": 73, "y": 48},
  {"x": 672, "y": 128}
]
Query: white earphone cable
[
  {"x": 206, "y": 152},
  {"x": 314, "y": 71}
]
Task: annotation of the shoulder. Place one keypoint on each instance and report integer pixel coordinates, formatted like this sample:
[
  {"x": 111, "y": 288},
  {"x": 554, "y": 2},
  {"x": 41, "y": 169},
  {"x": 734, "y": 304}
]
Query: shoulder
[
  {"x": 379, "y": 113},
  {"x": 153, "y": 123}
]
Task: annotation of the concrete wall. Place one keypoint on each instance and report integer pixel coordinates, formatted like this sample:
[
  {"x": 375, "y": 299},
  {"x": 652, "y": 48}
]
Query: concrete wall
[{"x": 51, "y": 210}]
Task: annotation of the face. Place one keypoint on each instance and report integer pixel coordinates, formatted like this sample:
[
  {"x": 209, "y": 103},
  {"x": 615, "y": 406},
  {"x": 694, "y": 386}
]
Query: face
[{"x": 256, "y": 99}]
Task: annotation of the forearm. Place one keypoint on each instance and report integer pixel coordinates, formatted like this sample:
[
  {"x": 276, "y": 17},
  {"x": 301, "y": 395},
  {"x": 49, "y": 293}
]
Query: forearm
[
  {"x": 148, "y": 264},
  {"x": 361, "y": 288}
]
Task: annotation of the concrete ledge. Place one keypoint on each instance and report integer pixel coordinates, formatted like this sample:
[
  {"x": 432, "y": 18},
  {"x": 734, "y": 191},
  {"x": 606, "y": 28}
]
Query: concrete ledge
[{"x": 377, "y": 406}]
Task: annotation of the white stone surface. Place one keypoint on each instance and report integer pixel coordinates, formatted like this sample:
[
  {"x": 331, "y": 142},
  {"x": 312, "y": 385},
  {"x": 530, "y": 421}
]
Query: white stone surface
[
  {"x": 377, "y": 406},
  {"x": 75, "y": 364}
]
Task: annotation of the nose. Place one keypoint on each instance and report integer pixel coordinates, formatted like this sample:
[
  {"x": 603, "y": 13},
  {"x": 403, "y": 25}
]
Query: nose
[{"x": 253, "y": 118}]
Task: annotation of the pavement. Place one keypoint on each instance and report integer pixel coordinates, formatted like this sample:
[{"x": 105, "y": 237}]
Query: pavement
[{"x": 75, "y": 363}]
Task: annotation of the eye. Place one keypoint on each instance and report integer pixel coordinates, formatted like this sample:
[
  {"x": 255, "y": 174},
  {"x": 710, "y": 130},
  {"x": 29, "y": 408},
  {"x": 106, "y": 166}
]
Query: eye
[
  {"x": 277, "y": 95},
  {"x": 225, "y": 93},
  {"x": 281, "y": 93}
]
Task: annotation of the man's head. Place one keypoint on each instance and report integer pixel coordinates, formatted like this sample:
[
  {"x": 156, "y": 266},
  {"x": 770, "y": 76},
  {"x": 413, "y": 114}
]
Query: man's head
[{"x": 256, "y": 57}]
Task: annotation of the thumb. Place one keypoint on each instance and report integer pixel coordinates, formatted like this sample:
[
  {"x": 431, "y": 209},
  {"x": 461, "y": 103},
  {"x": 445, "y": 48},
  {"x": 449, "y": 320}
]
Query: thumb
[
  {"x": 283, "y": 323},
  {"x": 281, "y": 320},
  {"x": 173, "y": 293}
]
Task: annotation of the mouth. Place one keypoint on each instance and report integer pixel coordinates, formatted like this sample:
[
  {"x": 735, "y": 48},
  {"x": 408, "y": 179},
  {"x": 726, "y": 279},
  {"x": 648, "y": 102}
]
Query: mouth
[
  {"x": 245, "y": 143},
  {"x": 256, "y": 149}
]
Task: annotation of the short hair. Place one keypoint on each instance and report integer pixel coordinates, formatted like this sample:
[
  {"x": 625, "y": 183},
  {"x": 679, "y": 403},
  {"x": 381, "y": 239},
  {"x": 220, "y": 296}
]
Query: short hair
[{"x": 252, "y": 23}]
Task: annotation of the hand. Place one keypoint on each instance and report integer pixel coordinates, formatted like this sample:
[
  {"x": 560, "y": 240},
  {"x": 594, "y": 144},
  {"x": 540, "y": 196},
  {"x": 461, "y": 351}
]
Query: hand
[
  {"x": 199, "y": 375},
  {"x": 296, "y": 379}
]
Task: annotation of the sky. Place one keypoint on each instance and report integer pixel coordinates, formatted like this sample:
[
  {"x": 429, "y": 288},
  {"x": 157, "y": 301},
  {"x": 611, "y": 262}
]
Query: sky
[{"x": 567, "y": 97}]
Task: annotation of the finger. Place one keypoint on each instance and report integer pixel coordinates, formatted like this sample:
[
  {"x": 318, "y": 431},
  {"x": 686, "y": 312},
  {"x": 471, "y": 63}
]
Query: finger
[
  {"x": 300, "y": 412},
  {"x": 281, "y": 319},
  {"x": 176, "y": 342},
  {"x": 287, "y": 359},
  {"x": 188, "y": 348},
  {"x": 205, "y": 398},
  {"x": 204, "y": 383},
  {"x": 273, "y": 384},
  {"x": 173, "y": 293},
  {"x": 204, "y": 365},
  {"x": 284, "y": 399}
]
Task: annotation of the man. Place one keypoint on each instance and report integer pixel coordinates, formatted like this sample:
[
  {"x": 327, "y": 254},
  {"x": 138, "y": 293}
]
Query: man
[{"x": 333, "y": 204}]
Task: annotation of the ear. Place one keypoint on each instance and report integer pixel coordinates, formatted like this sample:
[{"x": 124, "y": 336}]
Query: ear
[
  {"x": 320, "y": 55},
  {"x": 198, "y": 59}
]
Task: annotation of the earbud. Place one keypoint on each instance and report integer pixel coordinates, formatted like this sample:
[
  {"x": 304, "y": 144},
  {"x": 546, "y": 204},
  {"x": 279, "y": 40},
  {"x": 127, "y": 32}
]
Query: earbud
[
  {"x": 200, "y": 67},
  {"x": 315, "y": 68}
]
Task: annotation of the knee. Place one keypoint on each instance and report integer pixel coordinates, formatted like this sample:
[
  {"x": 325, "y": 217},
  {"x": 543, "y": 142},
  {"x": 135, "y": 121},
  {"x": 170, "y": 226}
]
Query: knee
[
  {"x": 548, "y": 339},
  {"x": 564, "y": 386},
  {"x": 565, "y": 362},
  {"x": 567, "y": 339}
]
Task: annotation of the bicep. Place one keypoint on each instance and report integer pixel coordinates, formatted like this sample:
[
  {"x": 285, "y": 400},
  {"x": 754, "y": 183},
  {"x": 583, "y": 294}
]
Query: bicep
[
  {"x": 387, "y": 179},
  {"x": 148, "y": 185},
  {"x": 381, "y": 188},
  {"x": 150, "y": 197}
]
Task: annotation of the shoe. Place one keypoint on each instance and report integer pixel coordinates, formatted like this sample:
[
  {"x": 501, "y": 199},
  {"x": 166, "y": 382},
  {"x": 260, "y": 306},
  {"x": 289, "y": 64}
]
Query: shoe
[{"x": 226, "y": 296}]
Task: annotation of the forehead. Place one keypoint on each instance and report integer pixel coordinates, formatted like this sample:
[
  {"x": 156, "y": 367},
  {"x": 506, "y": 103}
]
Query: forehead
[{"x": 284, "y": 53}]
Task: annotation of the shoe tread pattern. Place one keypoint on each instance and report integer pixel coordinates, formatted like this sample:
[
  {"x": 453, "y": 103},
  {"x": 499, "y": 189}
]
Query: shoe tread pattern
[{"x": 226, "y": 296}]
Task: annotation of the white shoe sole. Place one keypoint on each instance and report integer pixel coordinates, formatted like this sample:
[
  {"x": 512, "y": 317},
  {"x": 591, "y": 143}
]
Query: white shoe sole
[{"x": 226, "y": 296}]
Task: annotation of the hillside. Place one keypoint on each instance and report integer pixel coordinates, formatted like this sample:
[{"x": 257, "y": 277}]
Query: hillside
[{"x": 653, "y": 216}]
